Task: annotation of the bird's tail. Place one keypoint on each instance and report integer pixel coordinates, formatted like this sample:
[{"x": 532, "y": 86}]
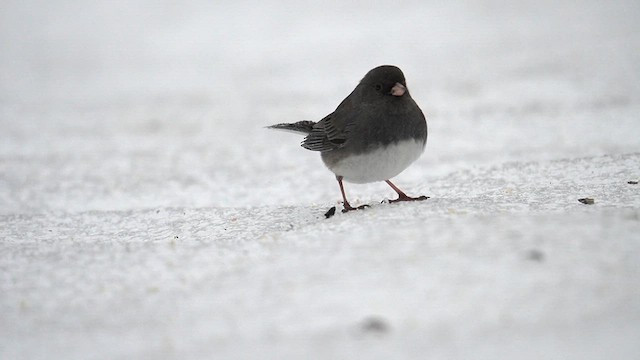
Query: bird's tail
[{"x": 303, "y": 127}]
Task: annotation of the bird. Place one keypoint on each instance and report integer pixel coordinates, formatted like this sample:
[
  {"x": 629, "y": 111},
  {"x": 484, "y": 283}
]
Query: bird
[{"x": 374, "y": 134}]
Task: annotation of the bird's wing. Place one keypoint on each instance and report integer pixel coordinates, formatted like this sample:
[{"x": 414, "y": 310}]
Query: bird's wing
[{"x": 327, "y": 134}]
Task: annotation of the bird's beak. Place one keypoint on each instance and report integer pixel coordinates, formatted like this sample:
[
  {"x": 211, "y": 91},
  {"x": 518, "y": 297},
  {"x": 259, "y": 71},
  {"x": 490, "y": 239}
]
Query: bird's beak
[{"x": 398, "y": 90}]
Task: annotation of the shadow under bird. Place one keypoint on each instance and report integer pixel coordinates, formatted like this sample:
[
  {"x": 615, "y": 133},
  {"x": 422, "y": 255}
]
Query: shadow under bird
[{"x": 373, "y": 135}]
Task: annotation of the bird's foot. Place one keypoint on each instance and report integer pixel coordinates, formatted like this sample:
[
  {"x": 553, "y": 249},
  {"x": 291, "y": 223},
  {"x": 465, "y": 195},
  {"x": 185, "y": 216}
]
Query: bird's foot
[
  {"x": 408, "y": 198},
  {"x": 348, "y": 207}
]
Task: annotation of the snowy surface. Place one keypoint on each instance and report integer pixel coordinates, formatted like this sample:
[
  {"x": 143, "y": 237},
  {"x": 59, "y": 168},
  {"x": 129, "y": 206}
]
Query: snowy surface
[{"x": 145, "y": 213}]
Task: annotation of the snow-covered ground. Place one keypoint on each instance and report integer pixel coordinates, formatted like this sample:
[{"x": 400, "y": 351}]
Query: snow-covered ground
[{"x": 145, "y": 213}]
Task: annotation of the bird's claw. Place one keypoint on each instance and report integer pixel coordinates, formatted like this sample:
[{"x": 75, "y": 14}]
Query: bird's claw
[
  {"x": 408, "y": 198},
  {"x": 348, "y": 208}
]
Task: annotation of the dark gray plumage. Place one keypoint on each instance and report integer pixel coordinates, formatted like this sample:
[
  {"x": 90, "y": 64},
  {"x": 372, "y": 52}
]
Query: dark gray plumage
[{"x": 374, "y": 134}]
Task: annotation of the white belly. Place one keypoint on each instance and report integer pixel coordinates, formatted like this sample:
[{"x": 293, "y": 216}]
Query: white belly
[{"x": 379, "y": 165}]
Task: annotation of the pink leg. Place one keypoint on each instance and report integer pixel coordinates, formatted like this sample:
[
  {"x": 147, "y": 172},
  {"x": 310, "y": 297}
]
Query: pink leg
[
  {"x": 402, "y": 196},
  {"x": 347, "y": 206}
]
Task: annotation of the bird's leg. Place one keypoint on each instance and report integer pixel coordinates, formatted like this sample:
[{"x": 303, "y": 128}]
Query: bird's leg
[
  {"x": 402, "y": 196},
  {"x": 347, "y": 206}
]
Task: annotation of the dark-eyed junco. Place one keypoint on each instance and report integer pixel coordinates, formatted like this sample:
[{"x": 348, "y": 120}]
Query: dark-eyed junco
[{"x": 373, "y": 135}]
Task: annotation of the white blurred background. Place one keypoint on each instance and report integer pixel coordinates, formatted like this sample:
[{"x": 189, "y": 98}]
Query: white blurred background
[
  {"x": 124, "y": 104},
  {"x": 146, "y": 213}
]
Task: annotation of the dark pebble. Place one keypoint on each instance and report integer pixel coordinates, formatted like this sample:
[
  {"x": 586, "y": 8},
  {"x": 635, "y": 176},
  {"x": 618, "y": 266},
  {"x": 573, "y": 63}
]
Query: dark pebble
[
  {"x": 535, "y": 255},
  {"x": 374, "y": 325}
]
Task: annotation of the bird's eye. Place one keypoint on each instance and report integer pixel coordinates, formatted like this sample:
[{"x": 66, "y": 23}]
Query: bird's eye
[{"x": 378, "y": 87}]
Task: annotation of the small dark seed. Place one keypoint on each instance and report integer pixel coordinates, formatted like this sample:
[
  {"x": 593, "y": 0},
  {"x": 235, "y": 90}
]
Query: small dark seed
[
  {"x": 330, "y": 213},
  {"x": 632, "y": 182}
]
